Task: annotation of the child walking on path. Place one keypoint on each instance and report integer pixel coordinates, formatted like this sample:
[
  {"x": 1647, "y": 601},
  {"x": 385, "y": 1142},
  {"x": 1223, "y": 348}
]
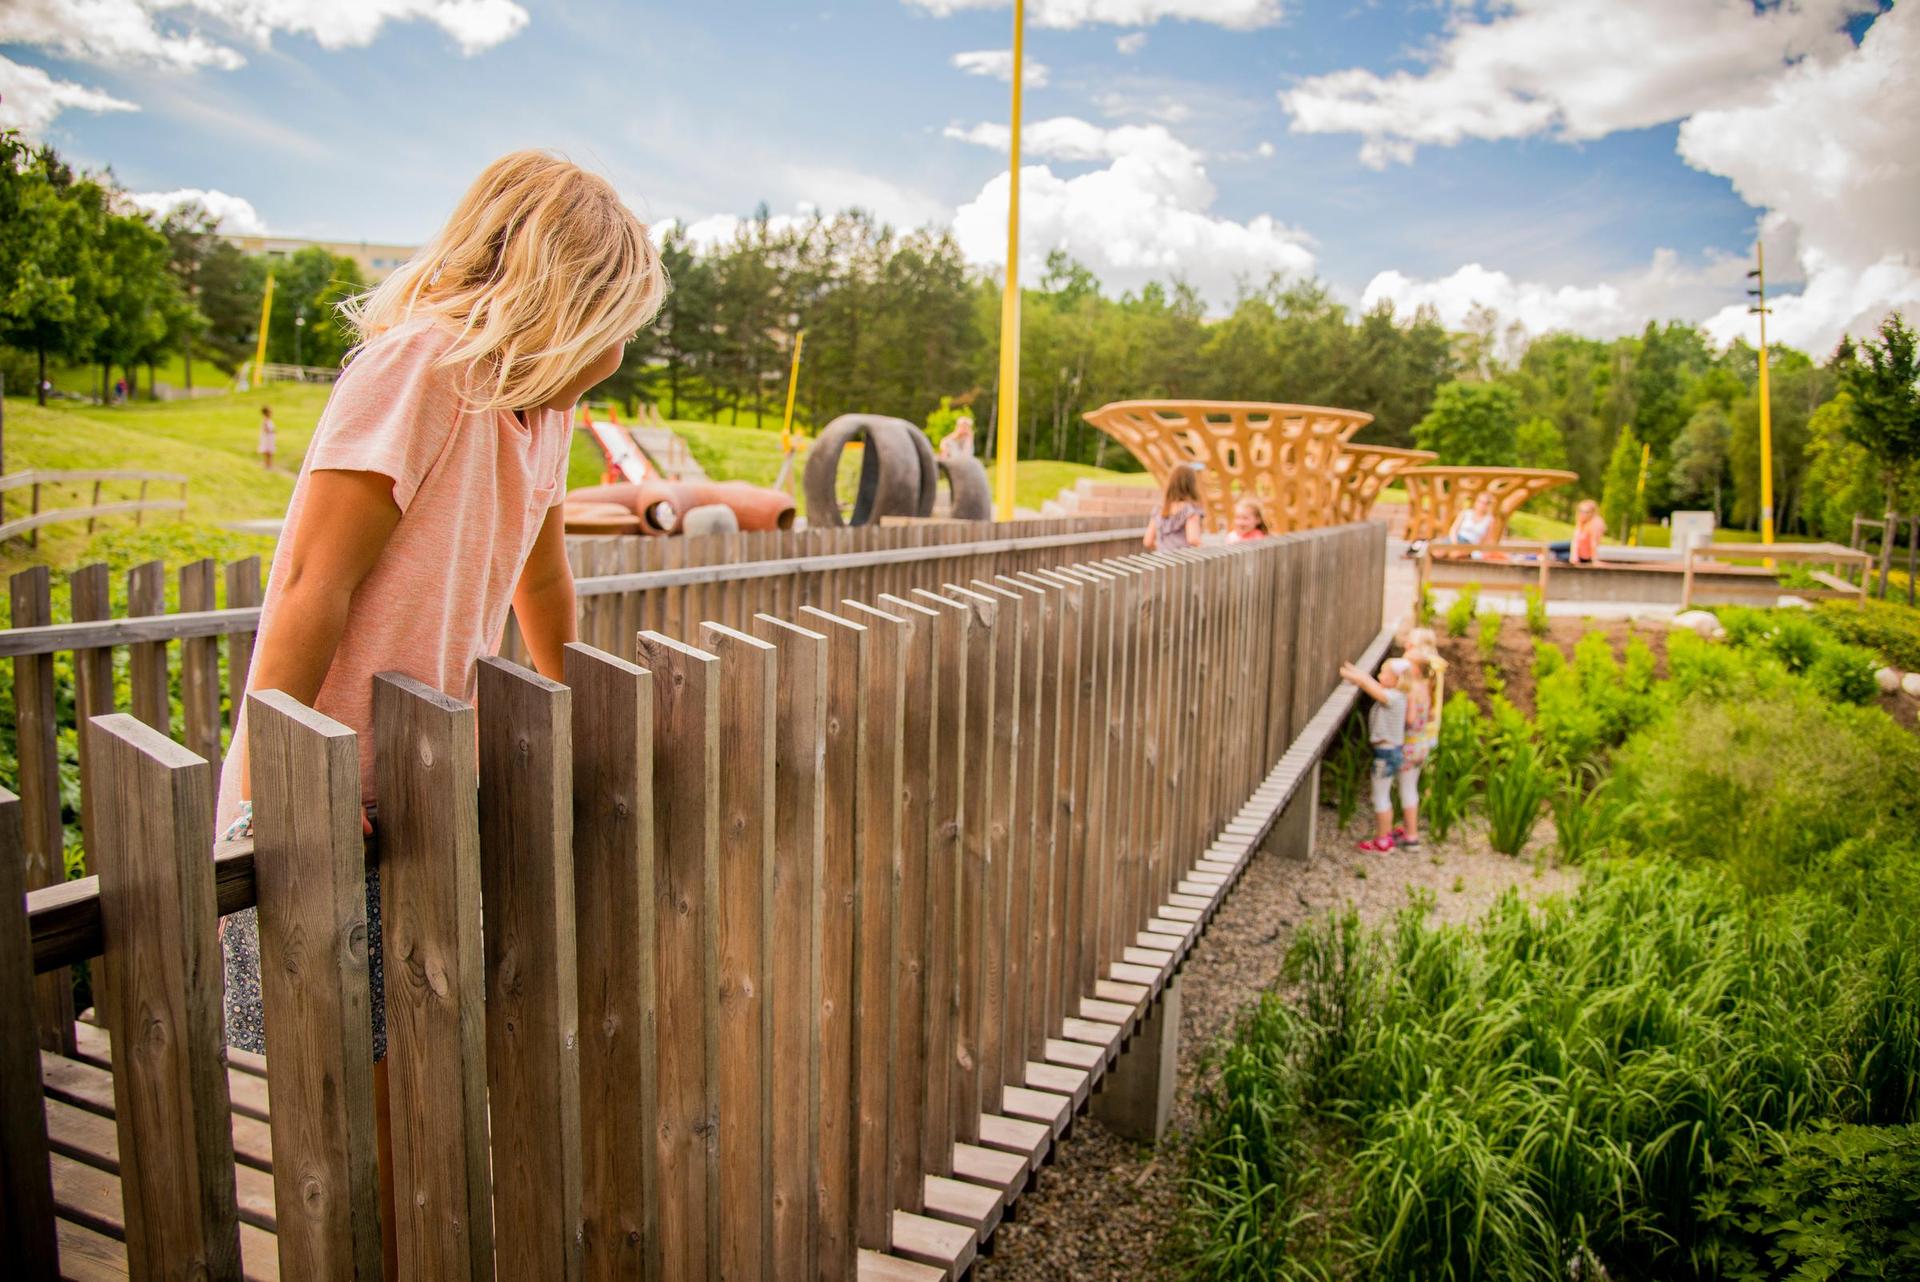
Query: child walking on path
[
  {"x": 1176, "y": 523},
  {"x": 430, "y": 497},
  {"x": 1387, "y": 733},
  {"x": 1423, "y": 733}
]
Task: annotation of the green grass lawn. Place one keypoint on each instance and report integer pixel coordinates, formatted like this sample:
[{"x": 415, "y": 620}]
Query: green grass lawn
[{"x": 84, "y": 380}]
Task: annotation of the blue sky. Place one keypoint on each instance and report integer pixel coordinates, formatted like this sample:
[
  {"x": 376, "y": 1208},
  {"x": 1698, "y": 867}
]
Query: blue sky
[{"x": 1514, "y": 153}]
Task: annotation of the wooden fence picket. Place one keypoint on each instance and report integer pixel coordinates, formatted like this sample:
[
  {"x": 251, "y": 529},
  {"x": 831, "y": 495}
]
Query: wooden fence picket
[
  {"x": 26, "y": 1210},
  {"x": 37, "y": 750}
]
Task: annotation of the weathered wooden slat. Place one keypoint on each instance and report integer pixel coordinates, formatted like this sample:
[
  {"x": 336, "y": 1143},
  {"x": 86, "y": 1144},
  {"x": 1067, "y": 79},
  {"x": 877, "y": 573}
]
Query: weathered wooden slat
[
  {"x": 427, "y": 775},
  {"x": 147, "y": 661},
  {"x": 532, "y": 1005},
  {"x": 26, "y": 1209},
  {"x": 614, "y": 911},
  {"x": 37, "y": 751},
  {"x": 200, "y": 669},
  {"x": 169, "y": 1086},
  {"x": 799, "y": 851},
  {"x": 843, "y": 762},
  {"x": 749, "y": 704},
  {"x": 310, "y": 871},
  {"x": 90, "y": 588},
  {"x": 686, "y": 763}
]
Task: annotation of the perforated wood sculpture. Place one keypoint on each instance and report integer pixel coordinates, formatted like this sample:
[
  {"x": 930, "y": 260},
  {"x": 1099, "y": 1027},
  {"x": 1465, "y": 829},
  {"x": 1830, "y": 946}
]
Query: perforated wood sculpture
[
  {"x": 1436, "y": 495},
  {"x": 1365, "y": 470},
  {"x": 1287, "y": 456}
]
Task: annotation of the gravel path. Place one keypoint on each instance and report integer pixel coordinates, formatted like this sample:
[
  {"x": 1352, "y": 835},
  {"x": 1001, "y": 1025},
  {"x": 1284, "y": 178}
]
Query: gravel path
[{"x": 1104, "y": 1209}]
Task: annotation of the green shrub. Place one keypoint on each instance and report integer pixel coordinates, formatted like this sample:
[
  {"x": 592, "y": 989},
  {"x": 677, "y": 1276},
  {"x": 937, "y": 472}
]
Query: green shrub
[
  {"x": 1585, "y": 812},
  {"x": 1596, "y": 1077},
  {"x": 1547, "y": 659},
  {"x": 1452, "y": 774},
  {"x": 1770, "y": 779},
  {"x": 1516, "y": 789},
  {"x": 1486, "y": 636},
  {"x": 1536, "y": 612},
  {"x": 1346, "y": 768},
  {"x": 1423, "y": 607},
  {"x": 1839, "y": 1202},
  {"x": 1890, "y": 630},
  {"x": 1507, "y": 732},
  {"x": 1795, "y": 640},
  {"x": 1460, "y": 613},
  {"x": 1844, "y": 673}
]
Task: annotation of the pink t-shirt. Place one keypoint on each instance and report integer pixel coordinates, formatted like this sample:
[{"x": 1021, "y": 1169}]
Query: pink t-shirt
[{"x": 473, "y": 488}]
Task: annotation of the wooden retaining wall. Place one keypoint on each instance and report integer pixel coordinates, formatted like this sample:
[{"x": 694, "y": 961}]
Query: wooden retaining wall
[{"x": 780, "y": 947}]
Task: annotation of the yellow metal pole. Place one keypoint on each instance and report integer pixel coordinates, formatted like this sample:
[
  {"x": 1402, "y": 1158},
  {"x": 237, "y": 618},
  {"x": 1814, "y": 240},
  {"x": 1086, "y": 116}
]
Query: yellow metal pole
[
  {"x": 793, "y": 383},
  {"x": 1007, "y": 443},
  {"x": 1766, "y": 407},
  {"x": 260, "y": 348}
]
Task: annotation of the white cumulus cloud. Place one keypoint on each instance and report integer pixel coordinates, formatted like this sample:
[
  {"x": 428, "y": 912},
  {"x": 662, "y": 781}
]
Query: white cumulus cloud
[
  {"x": 1236, "y": 15},
  {"x": 169, "y": 34},
  {"x": 30, "y": 98},
  {"x": 236, "y": 214},
  {"x": 1131, "y": 43},
  {"x": 998, "y": 63},
  {"x": 1576, "y": 69},
  {"x": 1143, "y": 214}
]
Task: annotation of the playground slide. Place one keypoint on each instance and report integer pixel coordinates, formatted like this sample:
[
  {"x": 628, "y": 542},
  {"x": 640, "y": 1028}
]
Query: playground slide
[{"x": 624, "y": 458}]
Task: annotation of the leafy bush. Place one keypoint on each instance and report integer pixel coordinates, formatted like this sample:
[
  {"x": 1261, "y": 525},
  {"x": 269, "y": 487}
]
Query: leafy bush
[
  {"x": 1889, "y": 630},
  {"x": 1452, "y": 774},
  {"x": 1770, "y": 778},
  {"x": 1823, "y": 1202},
  {"x": 1567, "y": 1080},
  {"x": 1516, "y": 789},
  {"x": 1346, "y": 768},
  {"x": 1423, "y": 607},
  {"x": 1486, "y": 637},
  {"x": 1536, "y": 612},
  {"x": 1460, "y": 613},
  {"x": 1795, "y": 640},
  {"x": 1585, "y": 812},
  {"x": 1547, "y": 659},
  {"x": 1844, "y": 673}
]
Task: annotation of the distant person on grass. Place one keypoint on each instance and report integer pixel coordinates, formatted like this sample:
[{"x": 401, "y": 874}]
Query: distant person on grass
[
  {"x": 1176, "y": 522},
  {"x": 959, "y": 442},
  {"x": 1249, "y": 522},
  {"x": 1387, "y": 735},
  {"x": 430, "y": 497},
  {"x": 266, "y": 438}
]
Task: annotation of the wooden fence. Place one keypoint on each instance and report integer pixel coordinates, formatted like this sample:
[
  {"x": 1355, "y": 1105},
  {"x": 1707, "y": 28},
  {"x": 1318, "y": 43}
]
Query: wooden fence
[
  {"x": 36, "y": 481},
  {"x": 803, "y": 935}
]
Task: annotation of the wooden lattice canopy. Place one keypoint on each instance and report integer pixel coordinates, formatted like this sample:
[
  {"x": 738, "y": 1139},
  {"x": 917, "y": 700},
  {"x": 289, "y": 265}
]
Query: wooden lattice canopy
[
  {"x": 1436, "y": 495},
  {"x": 1365, "y": 470},
  {"x": 1287, "y": 456}
]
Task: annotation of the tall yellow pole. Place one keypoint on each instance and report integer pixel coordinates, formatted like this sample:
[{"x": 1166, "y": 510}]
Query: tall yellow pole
[
  {"x": 1007, "y": 443},
  {"x": 260, "y": 348},
  {"x": 1766, "y": 404},
  {"x": 793, "y": 382}
]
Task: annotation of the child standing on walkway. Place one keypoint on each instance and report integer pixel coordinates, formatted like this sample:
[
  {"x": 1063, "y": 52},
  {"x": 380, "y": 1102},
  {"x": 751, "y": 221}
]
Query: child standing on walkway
[
  {"x": 1387, "y": 733},
  {"x": 1423, "y": 733},
  {"x": 1176, "y": 522},
  {"x": 266, "y": 438},
  {"x": 430, "y": 498}
]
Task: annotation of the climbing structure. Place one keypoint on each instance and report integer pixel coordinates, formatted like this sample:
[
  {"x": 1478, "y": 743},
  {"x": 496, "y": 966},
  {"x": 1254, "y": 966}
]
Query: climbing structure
[
  {"x": 1289, "y": 457},
  {"x": 1436, "y": 495}
]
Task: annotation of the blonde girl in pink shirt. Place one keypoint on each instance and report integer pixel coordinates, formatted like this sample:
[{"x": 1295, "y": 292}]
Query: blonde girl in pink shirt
[{"x": 430, "y": 497}]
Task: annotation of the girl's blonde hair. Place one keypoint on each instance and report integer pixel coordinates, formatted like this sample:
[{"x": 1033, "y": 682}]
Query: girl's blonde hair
[
  {"x": 1182, "y": 487},
  {"x": 540, "y": 269},
  {"x": 1259, "y": 513}
]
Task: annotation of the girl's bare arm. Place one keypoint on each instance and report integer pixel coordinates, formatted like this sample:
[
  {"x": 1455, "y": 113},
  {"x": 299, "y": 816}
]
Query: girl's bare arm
[
  {"x": 344, "y": 526},
  {"x": 1194, "y": 530},
  {"x": 543, "y": 601},
  {"x": 1365, "y": 682}
]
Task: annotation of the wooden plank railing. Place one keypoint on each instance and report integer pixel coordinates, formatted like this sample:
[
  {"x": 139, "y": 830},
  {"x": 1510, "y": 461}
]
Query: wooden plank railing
[
  {"x": 776, "y": 951},
  {"x": 34, "y": 481}
]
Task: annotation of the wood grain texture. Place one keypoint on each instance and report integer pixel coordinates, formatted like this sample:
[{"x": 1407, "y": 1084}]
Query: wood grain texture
[
  {"x": 427, "y": 777},
  {"x": 26, "y": 1208},
  {"x": 613, "y": 833},
  {"x": 200, "y": 668},
  {"x": 37, "y": 752},
  {"x": 147, "y": 661},
  {"x": 310, "y": 873},
  {"x": 686, "y": 768},
  {"x": 749, "y": 703},
  {"x": 532, "y": 1003},
  {"x": 799, "y": 852},
  {"x": 844, "y": 763},
  {"x": 947, "y": 691},
  {"x": 164, "y": 1016}
]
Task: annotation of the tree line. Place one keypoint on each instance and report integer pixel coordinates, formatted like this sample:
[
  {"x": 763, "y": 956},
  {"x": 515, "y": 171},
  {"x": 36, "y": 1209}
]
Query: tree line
[{"x": 896, "y": 322}]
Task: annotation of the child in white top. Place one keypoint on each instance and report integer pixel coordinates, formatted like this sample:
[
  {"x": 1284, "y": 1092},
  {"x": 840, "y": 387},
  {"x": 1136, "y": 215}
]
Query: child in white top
[{"x": 1387, "y": 733}]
